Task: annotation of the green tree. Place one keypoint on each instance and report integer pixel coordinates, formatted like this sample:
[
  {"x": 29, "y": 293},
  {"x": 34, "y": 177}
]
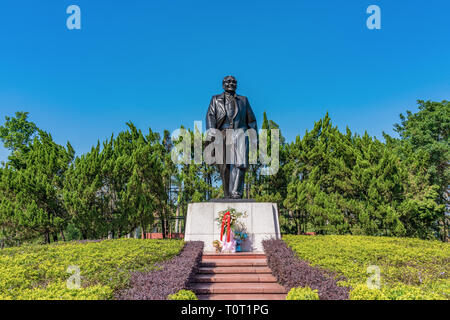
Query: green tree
[
  {"x": 115, "y": 190},
  {"x": 345, "y": 183},
  {"x": 31, "y": 203},
  {"x": 196, "y": 178},
  {"x": 428, "y": 130},
  {"x": 16, "y": 133},
  {"x": 82, "y": 190}
]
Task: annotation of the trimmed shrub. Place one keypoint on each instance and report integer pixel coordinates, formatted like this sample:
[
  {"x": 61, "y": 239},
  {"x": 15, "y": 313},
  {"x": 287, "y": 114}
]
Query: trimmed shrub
[
  {"x": 302, "y": 294},
  {"x": 408, "y": 267},
  {"x": 170, "y": 277},
  {"x": 183, "y": 295},
  {"x": 292, "y": 272},
  {"x": 396, "y": 292},
  {"x": 57, "y": 290},
  {"x": 33, "y": 271},
  {"x": 362, "y": 292}
]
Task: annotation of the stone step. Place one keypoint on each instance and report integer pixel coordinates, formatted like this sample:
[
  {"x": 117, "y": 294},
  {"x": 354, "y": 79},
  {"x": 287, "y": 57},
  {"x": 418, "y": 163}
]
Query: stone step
[
  {"x": 233, "y": 262},
  {"x": 238, "y": 276},
  {"x": 237, "y": 255},
  {"x": 235, "y": 277},
  {"x": 220, "y": 270},
  {"x": 236, "y": 287},
  {"x": 242, "y": 296}
]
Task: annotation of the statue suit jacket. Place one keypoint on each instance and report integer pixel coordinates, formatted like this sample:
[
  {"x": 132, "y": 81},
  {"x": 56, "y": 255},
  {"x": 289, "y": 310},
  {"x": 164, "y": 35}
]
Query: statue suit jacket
[{"x": 244, "y": 118}]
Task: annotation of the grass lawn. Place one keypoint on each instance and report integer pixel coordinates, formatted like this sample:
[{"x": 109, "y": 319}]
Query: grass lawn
[
  {"x": 409, "y": 268},
  {"x": 34, "y": 272}
]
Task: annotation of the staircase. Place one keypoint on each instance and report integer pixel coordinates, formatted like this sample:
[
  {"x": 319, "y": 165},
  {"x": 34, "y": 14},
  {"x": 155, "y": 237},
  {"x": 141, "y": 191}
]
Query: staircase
[{"x": 236, "y": 276}]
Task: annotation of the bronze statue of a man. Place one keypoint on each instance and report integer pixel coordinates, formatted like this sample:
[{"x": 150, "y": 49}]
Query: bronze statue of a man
[{"x": 232, "y": 115}]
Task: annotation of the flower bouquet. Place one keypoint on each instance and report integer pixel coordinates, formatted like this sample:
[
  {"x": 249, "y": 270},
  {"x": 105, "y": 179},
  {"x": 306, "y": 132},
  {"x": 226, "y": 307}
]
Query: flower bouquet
[
  {"x": 227, "y": 221},
  {"x": 240, "y": 234}
]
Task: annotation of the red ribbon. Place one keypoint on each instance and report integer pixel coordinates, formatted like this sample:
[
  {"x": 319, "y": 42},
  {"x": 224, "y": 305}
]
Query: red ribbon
[{"x": 226, "y": 219}]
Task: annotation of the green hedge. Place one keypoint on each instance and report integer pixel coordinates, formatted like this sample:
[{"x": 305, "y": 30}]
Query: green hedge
[
  {"x": 396, "y": 292},
  {"x": 302, "y": 294},
  {"x": 41, "y": 271},
  {"x": 409, "y": 268},
  {"x": 183, "y": 295}
]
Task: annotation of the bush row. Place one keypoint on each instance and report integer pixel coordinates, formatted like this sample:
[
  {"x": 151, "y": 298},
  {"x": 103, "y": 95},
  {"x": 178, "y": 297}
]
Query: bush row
[
  {"x": 396, "y": 292},
  {"x": 408, "y": 268},
  {"x": 301, "y": 293},
  {"x": 169, "y": 278},
  {"x": 103, "y": 267},
  {"x": 292, "y": 272},
  {"x": 183, "y": 295}
]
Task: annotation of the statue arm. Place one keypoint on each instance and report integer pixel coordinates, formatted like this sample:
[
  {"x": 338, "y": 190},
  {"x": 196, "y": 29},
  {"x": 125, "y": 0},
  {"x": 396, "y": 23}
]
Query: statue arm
[
  {"x": 251, "y": 119},
  {"x": 211, "y": 115}
]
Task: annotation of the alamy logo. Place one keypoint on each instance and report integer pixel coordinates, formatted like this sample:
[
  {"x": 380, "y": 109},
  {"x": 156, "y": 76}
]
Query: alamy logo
[
  {"x": 374, "y": 281},
  {"x": 74, "y": 20},
  {"x": 230, "y": 146},
  {"x": 74, "y": 281},
  {"x": 374, "y": 20}
]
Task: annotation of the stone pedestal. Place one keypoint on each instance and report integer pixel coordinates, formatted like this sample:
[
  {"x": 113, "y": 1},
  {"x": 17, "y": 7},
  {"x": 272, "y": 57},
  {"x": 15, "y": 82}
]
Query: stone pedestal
[{"x": 261, "y": 222}]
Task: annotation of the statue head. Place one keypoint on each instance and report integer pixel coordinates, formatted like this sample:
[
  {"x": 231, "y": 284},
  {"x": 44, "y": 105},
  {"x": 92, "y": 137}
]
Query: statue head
[{"x": 229, "y": 84}]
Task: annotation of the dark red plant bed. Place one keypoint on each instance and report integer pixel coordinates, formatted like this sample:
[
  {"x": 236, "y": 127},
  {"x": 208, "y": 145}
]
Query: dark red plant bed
[
  {"x": 173, "y": 275},
  {"x": 292, "y": 272}
]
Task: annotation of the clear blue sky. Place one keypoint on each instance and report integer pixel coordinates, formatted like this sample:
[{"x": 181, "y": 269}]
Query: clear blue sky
[{"x": 158, "y": 62}]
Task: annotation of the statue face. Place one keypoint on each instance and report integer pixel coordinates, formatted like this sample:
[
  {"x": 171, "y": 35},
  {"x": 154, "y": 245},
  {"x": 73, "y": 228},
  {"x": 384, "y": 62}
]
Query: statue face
[{"x": 229, "y": 84}]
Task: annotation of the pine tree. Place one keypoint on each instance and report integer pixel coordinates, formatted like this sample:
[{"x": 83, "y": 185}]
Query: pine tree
[
  {"x": 428, "y": 130},
  {"x": 356, "y": 184},
  {"x": 31, "y": 202}
]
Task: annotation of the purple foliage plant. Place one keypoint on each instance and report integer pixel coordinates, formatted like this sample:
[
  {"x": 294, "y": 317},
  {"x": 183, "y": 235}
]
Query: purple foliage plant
[
  {"x": 169, "y": 277},
  {"x": 292, "y": 272}
]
